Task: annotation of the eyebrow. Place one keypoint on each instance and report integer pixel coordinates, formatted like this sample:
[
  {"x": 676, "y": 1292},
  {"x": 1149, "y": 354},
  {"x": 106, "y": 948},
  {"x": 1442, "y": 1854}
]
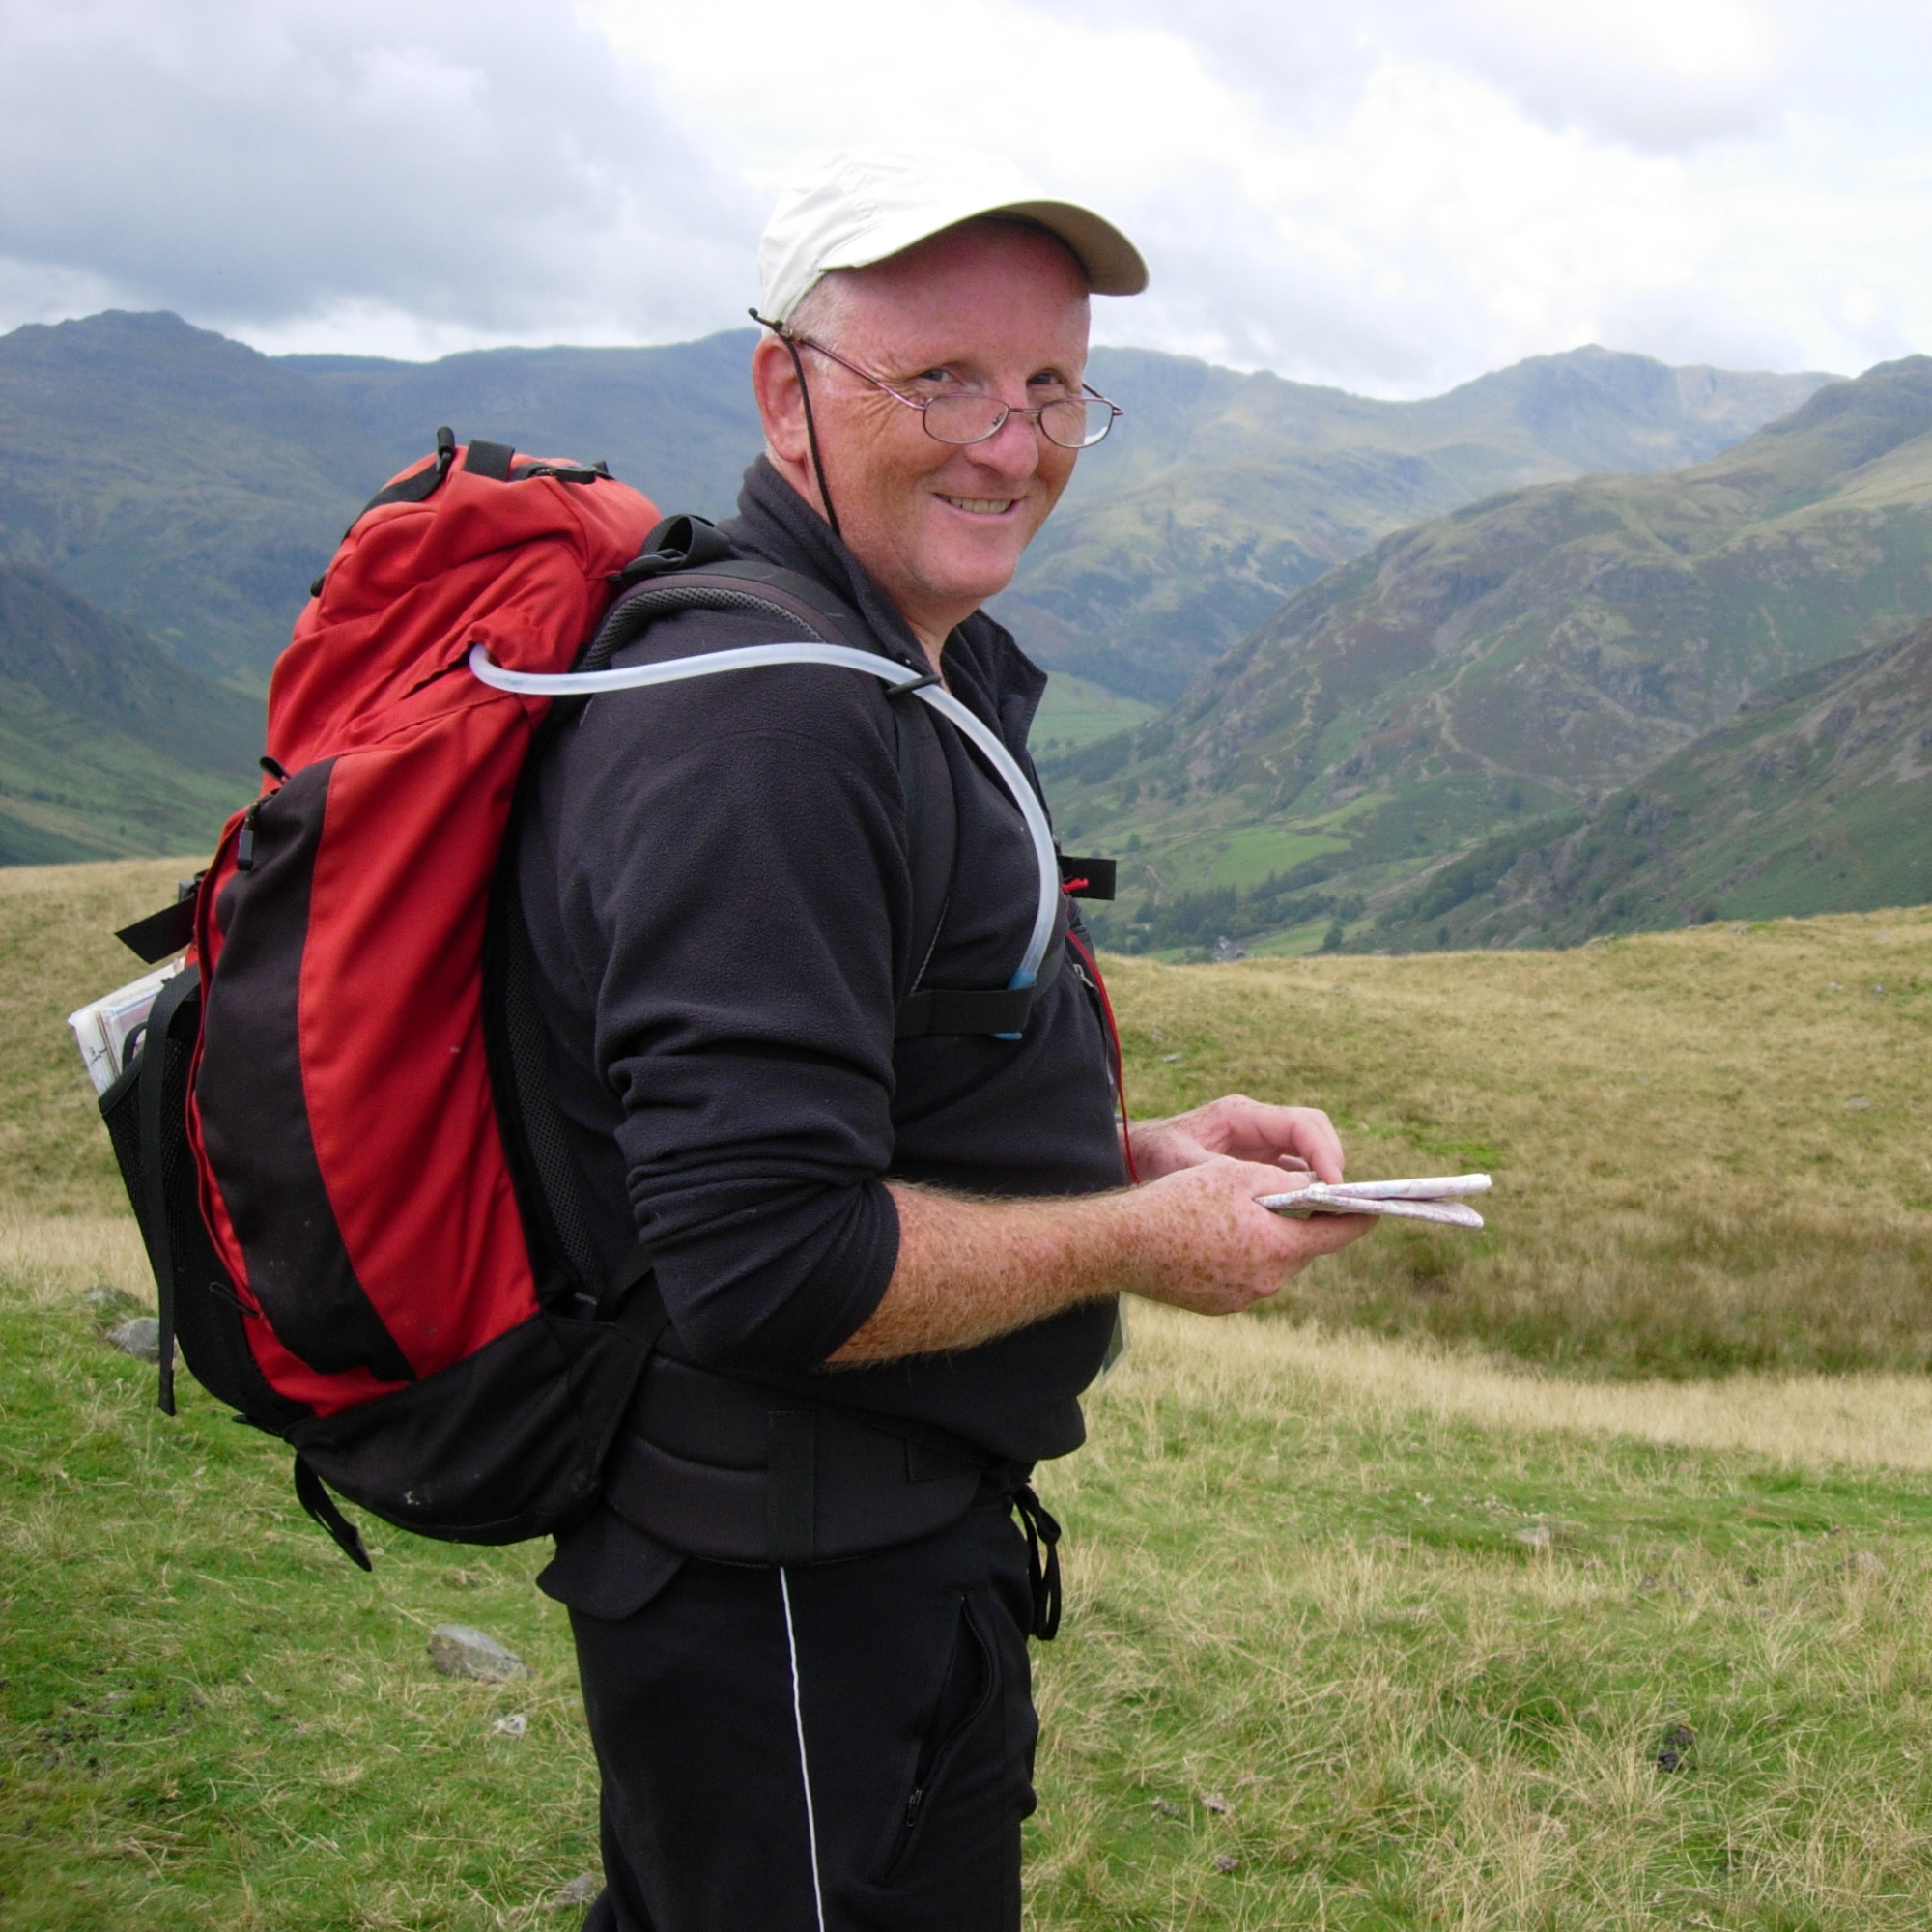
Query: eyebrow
[{"x": 1048, "y": 371}]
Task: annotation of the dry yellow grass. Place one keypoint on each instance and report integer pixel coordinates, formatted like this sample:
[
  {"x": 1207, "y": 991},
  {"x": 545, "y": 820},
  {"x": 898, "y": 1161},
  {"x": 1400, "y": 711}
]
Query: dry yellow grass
[
  {"x": 1257, "y": 1366},
  {"x": 1712, "y": 1147},
  {"x": 58, "y": 951}
]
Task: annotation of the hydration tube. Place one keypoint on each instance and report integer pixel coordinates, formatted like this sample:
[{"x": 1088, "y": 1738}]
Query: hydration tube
[{"x": 751, "y": 657}]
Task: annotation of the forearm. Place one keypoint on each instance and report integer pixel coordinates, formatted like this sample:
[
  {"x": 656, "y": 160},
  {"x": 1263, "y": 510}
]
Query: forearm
[{"x": 969, "y": 1269}]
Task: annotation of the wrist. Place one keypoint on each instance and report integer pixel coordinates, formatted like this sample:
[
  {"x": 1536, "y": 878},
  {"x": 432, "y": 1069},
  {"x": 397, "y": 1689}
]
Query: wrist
[{"x": 1124, "y": 1237}]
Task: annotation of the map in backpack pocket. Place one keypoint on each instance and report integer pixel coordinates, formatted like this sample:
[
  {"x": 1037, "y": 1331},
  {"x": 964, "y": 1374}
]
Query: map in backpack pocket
[{"x": 108, "y": 1033}]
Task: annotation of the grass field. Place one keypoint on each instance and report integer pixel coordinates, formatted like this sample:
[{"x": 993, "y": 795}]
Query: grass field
[
  {"x": 1076, "y": 712},
  {"x": 1375, "y": 1619},
  {"x": 1711, "y": 1147}
]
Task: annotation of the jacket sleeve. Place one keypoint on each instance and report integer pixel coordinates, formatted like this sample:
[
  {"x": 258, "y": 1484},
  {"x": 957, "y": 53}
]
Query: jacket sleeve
[{"x": 736, "y": 896}]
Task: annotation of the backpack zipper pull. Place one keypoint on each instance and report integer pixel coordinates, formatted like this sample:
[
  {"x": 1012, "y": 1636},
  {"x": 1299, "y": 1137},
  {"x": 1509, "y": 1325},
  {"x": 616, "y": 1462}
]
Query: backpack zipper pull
[{"x": 245, "y": 845}]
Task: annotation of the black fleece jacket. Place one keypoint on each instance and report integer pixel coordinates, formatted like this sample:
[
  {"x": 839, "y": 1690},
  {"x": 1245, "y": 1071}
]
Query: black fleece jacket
[{"x": 717, "y": 882}]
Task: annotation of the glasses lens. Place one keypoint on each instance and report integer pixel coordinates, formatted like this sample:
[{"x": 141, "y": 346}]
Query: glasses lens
[
  {"x": 1077, "y": 422},
  {"x": 964, "y": 418}
]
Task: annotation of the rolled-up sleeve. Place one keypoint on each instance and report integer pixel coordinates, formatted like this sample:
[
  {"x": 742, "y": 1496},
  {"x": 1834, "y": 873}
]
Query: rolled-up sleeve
[{"x": 736, "y": 895}]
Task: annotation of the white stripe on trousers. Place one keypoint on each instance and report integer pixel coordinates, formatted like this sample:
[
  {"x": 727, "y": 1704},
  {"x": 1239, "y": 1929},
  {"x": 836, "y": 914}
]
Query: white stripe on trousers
[{"x": 804, "y": 1764}]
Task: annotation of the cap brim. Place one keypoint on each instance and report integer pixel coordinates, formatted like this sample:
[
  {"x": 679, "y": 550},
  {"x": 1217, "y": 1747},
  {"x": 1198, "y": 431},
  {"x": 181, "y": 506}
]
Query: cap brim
[{"x": 1114, "y": 265}]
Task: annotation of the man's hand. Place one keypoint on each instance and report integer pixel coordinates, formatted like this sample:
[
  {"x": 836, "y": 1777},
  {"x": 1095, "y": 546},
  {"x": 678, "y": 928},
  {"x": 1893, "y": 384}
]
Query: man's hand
[
  {"x": 1203, "y": 1241},
  {"x": 1296, "y": 1140}
]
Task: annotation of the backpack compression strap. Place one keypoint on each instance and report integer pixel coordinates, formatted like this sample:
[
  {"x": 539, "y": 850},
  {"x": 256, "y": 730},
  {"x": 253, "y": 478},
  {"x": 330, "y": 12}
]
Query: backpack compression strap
[{"x": 1000, "y": 1013}]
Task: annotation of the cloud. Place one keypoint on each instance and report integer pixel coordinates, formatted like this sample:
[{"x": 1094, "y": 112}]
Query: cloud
[
  {"x": 1657, "y": 75},
  {"x": 1665, "y": 75},
  {"x": 1391, "y": 197},
  {"x": 483, "y": 167}
]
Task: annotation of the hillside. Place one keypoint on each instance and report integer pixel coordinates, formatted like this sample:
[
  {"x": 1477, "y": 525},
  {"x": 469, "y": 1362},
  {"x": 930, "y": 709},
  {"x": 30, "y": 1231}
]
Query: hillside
[
  {"x": 195, "y": 487},
  {"x": 1527, "y": 655},
  {"x": 181, "y": 481},
  {"x": 107, "y": 745},
  {"x": 1221, "y": 493},
  {"x": 1813, "y": 799}
]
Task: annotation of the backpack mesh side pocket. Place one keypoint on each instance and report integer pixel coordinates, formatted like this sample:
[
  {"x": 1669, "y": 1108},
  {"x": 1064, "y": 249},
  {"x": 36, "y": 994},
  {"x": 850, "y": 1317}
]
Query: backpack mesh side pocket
[{"x": 207, "y": 1315}]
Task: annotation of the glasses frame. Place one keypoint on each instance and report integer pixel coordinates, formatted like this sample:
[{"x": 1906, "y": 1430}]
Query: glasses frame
[{"x": 1007, "y": 411}]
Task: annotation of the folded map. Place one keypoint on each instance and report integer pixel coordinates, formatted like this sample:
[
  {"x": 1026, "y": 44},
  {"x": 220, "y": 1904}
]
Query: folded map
[{"x": 1427, "y": 1199}]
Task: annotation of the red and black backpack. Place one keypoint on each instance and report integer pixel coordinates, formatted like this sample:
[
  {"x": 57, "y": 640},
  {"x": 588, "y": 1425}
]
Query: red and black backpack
[{"x": 336, "y": 1132}]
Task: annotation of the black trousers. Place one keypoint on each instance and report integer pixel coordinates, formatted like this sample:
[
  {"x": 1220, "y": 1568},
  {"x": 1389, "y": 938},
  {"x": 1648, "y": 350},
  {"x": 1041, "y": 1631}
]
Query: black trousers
[{"x": 844, "y": 1746}]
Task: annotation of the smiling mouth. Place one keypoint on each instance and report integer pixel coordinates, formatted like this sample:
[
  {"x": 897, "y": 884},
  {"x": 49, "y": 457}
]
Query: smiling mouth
[{"x": 981, "y": 506}]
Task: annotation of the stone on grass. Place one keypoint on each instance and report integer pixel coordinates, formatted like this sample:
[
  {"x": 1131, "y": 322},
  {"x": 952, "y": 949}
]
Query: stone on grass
[
  {"x": 1535, "y": 1536},
  {"x": 140, "y": 1338},
  {"x": 458, "y": 1651},
  {"x": 512, "y": 1726},
  {"x": 1678, "y": 1737},
  {"x": 106, "y": 1301},
  {"x": 1865, "y": 1563},
  {"x": 1213, "y": 1800},
  {"x": 1227, "y": 1863},
  {"x": 583, "y": 1889}
]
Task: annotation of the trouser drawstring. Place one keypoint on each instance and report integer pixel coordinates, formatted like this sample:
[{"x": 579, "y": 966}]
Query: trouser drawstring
[{"x": 1042, "y": 1571}]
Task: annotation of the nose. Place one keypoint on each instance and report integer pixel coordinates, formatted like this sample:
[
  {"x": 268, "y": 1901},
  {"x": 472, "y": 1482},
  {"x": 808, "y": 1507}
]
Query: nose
[{"x": 1012, "y": 450}]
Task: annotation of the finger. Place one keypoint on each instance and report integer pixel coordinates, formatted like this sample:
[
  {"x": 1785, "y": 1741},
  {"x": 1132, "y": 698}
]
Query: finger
[
  {"x": 1264, "y": 1177},
  {"x": 1329, "y": 1231},
  {"x": 1254, "y": 1130},
  {"x": 1314, "y": 1138}
]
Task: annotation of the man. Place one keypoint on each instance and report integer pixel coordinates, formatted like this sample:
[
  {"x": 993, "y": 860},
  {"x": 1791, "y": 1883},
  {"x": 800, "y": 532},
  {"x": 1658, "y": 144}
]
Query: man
[{"x": 902, "y": 1254}]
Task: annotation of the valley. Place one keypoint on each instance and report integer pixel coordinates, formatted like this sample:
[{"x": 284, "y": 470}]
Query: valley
[{"x": 1480, "y": 676}]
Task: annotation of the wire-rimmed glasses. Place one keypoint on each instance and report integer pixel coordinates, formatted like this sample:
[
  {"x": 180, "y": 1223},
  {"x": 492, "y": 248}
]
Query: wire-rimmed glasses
[{"x": 1072, "y": 422}]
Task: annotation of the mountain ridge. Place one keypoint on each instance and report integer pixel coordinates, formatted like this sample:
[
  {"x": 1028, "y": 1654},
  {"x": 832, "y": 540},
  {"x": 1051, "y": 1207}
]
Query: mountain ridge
[
  {"x": 1279, "y": 482},
  {"x": 1527, "y": 654},
  {"x": 195, "y": 487}
]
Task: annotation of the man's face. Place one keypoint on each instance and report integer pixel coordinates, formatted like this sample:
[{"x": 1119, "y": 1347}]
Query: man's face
[{"x": 989, "y": 308}]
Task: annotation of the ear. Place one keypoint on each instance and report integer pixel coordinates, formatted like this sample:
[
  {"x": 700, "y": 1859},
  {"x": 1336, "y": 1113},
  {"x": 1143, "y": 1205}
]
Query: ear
[{"x": 780, "y": 406}]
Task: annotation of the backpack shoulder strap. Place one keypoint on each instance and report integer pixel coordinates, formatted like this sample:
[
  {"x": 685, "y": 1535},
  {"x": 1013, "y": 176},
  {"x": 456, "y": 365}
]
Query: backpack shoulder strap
[
  {"x": 715, "y": 580},
  {"x": 932, "y": 835}
]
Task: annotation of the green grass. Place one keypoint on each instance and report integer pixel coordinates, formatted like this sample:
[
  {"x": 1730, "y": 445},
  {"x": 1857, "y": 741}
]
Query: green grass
[
  {"x": 1244, "y": 856},
  {"x": 1419, "y": 1618},
  {"x": 210, "y": 1719},
  {"x": 1709, "y": 1145},
  {"x": 1076, "y": 712},
  {"x": 1326, "y": 1614},
  {"x": 1316, "y": 1609}
]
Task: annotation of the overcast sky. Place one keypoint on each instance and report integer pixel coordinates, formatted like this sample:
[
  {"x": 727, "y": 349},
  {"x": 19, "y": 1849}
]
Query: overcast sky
[{"x": 1391, "y": 195}]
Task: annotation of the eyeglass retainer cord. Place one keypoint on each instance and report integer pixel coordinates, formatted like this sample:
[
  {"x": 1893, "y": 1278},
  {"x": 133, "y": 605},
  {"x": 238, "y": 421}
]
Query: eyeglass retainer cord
[{"x": 783, "y": 334}]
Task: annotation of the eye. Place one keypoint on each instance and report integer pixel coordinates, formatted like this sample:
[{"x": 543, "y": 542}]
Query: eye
[{"x": 1050, "y": 379}]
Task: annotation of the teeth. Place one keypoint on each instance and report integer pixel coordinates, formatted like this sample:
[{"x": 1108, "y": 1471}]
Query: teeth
[{"x": 982, "y": 506}]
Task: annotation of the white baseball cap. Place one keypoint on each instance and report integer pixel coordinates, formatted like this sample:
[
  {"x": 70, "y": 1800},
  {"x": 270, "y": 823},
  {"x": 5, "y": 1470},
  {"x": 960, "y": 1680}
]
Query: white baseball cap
[{"x": 860, "y": 205}]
